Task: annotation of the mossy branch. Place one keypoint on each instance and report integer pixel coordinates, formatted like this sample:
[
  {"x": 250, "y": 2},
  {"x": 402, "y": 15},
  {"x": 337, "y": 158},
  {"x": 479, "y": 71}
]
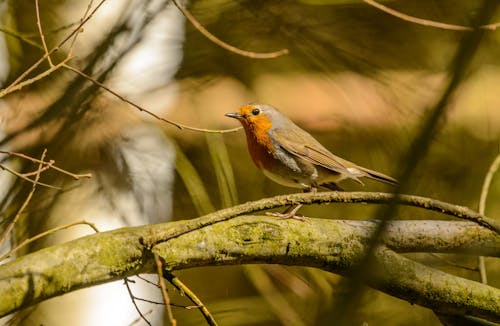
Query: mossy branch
[
  {"x": 334, "y": 197},
  {"x": 332, "y": 245}
]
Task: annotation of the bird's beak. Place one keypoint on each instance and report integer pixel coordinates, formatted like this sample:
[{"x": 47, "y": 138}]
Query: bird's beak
[{"x": 235, "y": 115}]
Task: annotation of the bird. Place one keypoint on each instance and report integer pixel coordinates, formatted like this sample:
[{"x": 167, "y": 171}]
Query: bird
[{"x": 290, "y": 156}]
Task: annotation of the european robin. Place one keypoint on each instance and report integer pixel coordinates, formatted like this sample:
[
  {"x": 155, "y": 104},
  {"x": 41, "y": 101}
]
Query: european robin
[{"x": 292, "y": 157}]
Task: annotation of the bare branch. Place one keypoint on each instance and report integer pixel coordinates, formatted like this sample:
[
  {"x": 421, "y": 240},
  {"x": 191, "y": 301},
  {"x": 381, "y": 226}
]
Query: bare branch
[
  {"x": 25, "y": 178},
  {"x": 140, "y": 108},
  {"x": 132, "y": 297},
  {"x": 487, "y": 183},
  {"x": 50, "y": 163},
  {"x": 42, "y": 36},
  {"x": 25, "y": 203},
  {"x": 224, "y": 45},
  {"x": 175, "y": 281},
  {"x": 14, "y": 85},
  {"x": 482, "y": 207},
  {"x": 20, "y": 36},
  {"x": 166, "y": 298},
  {"x": 19, "y": 85},
  {"x": 48, "y": 232},
  {"x": 426, "y": 22}
]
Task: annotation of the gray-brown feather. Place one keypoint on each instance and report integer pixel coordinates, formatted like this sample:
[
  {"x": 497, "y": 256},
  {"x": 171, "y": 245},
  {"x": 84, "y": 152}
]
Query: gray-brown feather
[
  {"x": 308, "y": 155},
  {"x": 300, "y": 143}
]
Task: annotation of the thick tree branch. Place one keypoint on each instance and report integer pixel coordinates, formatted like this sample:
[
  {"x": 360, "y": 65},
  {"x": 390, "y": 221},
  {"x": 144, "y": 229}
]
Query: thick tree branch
[
  {"x": 335, "y": 197},
  {"x": 332, "y": 245}
]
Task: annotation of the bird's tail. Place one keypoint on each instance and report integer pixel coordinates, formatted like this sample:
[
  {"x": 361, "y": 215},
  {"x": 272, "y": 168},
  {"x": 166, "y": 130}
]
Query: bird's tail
[{"x": 377, "y": 176}]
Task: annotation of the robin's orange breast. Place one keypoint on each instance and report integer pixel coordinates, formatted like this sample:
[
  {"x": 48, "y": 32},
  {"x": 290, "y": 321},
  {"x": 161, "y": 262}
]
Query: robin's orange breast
[
  {"x": 279, "y": 165},
  {"x": 261, "y": 150}
]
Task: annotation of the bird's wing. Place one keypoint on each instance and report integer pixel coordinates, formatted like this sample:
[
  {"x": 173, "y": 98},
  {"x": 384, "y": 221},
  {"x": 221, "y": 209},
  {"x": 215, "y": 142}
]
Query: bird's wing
[
  {"x": 303, "y": 145},
  {"x": 298, "y": 142}
]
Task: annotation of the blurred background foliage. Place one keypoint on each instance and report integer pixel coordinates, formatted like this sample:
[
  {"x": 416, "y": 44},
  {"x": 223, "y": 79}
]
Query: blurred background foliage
[{"x": 357, "y": 78}]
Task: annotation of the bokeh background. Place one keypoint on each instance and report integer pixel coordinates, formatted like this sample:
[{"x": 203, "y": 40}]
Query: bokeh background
[{"x": 360, "y": 80}]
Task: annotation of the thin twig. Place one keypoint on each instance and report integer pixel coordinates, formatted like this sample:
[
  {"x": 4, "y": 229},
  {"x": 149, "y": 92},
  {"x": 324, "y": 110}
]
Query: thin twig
[
  {"x": 24, "y": 205},
  {"x": 73, "y": 42},
  {"x": 21, "y": 37},
  {"x": 140, "y": 108},
  {"x": 17, "y": 86},
  {"x": 416, "y": 20},
  {"x": 149, "y": 301},
  {"x": 482, "y": 208},
  {"x": 163, "y": 303},
  {"x": 43, "y": 234},
  {"x": 52, "y": 166},
  {"x": 224, "y": 45},
  {"x": 487, "y": 183},
  {"x": 21, "y": 176},
  {"x": 26, "y": 37},
  {"x": 147, "y": 281},
  {"x": 175, "y": 281},
  {"x": 83, "y": 22},
  {"x": 62, "y": 28},
  {"x": 12, "y": 87},
  {"x": 491, "y": 27},
  {"x": 449, "y": 262},
  {"x": 161, "y": 283},
  {"x": 132, "y": 297},
  {"x": 138, "y": 319},
  {"x": 40, "y": 31},
  {"x": 45, "y": 168},
  {"x": 426, "y": 22}
]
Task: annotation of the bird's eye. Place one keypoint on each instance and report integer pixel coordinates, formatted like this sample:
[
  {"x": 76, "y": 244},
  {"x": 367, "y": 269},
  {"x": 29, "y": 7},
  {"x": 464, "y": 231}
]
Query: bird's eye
[{"x": 255, "y": 111}]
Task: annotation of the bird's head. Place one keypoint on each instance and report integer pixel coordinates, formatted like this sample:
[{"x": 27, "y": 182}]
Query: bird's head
[{"x": 257, "y": 117}]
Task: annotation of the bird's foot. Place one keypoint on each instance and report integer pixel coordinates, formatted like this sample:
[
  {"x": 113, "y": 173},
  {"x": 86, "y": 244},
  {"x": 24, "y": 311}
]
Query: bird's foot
[{"x": 289, "y": 214}]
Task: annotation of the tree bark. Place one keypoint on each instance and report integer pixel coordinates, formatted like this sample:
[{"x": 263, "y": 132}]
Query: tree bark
[{"x": 331, "y": 245}]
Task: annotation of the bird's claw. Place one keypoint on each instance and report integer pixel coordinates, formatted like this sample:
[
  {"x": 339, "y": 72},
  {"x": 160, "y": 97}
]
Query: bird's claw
[{"x": 289, "y": 214}]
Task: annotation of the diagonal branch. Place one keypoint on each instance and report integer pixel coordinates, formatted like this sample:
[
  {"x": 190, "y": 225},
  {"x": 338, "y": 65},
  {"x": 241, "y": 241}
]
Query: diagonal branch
[
  {"x": 427, "y": 22},
  {"x": 10, "y": 226},
  {"x": 224, "y": 45},
  {"x": 141, "y": 109},
  {"x": 40, "y": 31}
]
